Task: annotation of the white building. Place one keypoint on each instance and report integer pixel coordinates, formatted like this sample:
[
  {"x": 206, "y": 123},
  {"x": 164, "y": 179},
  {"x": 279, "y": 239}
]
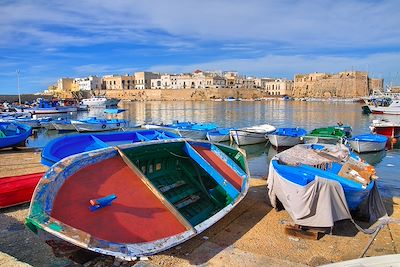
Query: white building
[
  {"x": 279, "y": 87},
  {"x": 88, "y": 83}
]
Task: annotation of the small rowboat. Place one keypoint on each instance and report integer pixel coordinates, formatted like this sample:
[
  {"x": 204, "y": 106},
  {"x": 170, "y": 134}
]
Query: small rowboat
[
  {"x": 12, "y": 134},
  {"x": 138, "y": 199},
  {"x": 252, "y": 135},
  {"x": 68, "y": 145},
  {"x": 319, "y": 184},
  {"x": 286, "y": 137},
  {"x": 328, "y": 135},
  {"x": 17, "y": 190},
  {"x": 368, "y": 142},
  {"x": 190, "y": 130},
  {"x": 219, "y": 135}
]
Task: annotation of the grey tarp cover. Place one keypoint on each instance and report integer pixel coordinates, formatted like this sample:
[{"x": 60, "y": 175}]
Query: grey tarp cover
[{"x": 317, "y": 204}]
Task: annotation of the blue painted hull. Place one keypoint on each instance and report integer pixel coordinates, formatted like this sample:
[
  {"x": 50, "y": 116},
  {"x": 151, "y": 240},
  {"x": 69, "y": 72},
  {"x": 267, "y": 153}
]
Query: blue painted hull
[
  {"x": 10, "y": 139},
  {"x": 73, "y": 144}
]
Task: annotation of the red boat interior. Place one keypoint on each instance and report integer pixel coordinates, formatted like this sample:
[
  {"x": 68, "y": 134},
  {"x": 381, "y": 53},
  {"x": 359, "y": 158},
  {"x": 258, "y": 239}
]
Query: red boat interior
[{"x": 135, "y": 216}]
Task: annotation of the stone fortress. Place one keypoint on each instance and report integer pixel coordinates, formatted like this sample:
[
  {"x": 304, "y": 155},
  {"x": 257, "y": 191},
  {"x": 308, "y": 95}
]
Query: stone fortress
[{"x": 348, "y": 84}]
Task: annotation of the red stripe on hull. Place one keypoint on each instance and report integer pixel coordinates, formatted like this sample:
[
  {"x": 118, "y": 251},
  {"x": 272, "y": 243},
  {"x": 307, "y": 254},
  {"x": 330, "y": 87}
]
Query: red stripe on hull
[
  {"x": 135, "y": 216},
  {"x": 220, "y": 166},
  {"x": 18, "y": 189}
]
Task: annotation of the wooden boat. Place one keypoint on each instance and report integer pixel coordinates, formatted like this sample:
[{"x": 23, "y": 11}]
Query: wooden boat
[
  {"x": 63, "y": 125},
  {"x": 146, "y": 197},
  {"x": 319, "y": 184},
  {"x": 98, "y": 101},
  {"x": 219, "y": 135},
  {"x": 17, "y": 190},
  {"x": 286, "y": 137},
  {"x": 12, "y": 134},
  {"x": 387, "y": 128},
  {"x": 68, "y": 145},
  {"x": 252, "y": 135},
  {"x": 368, "y": 142},
  {"x": 47, "y": 107},
  {"x": 98, "y": 125},
  {"x": 328, "y": 135}
]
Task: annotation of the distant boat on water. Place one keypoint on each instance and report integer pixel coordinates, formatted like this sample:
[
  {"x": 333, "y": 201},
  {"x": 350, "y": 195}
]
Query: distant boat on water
[
  {"x": 99, "y": 101},
  {"x": 252, "y": 135}
]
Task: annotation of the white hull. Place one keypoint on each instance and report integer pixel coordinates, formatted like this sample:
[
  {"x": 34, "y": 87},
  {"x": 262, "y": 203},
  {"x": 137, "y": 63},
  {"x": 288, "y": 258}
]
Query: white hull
[
  {"x": 247, "y": 138},
  {"x": 218, "y": 138},
  {"x": 362, "y": 146},
  {"x": 284, "y": 141},
  {"x": 385, "y": 110},
  {"x": 100, "y": 102},
  {"x": 43, "y": 111},
  {"x": 64, "y": 126},
  {"x": 192, "y": 134},
  {"x": 97, "y": 127}
]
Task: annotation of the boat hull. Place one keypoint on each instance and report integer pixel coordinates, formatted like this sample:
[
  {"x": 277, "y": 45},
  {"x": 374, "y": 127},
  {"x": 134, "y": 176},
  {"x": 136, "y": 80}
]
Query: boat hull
[
  {"x": 284, "y": 141},
  {"x": 15, "y": 140},
  {"x": 155, "y": 205},
  {"x": 98, "y": 127},
  {"x": 321, "y": 140},
  {"x": 365, "y": 146},
  {"x": 17, "y": 190},
  {"x": 214, "y": 137}
]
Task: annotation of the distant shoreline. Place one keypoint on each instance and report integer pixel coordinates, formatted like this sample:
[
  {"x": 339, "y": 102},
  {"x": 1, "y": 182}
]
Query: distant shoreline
[{"x": 24, "y": 97}]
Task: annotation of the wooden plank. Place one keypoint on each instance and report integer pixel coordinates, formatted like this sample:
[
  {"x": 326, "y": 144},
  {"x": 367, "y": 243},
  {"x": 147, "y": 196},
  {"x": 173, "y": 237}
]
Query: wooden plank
[
  {"x": 297, "y": 231},
  {"x": 155, "y": 191}
]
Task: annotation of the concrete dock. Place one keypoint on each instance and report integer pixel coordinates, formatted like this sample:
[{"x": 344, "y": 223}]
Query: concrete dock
[{"x": 251, "y": 235}]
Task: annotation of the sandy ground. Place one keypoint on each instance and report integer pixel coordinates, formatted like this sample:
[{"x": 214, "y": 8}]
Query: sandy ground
[{"x": 251, "y": 235}]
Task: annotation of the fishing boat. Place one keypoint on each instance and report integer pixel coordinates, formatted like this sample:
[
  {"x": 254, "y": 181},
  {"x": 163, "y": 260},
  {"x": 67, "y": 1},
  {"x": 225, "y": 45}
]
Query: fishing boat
[
  {"x": 385, "y": 127},
  {"x": 286, "y": 137},
  {"x": 347, "y": 129},
  {"x": 219, "y": 135},
  {"x": 252, "y": 135},
  {"x": 98, "y": 125},
  {"x": 18, "y": 189},
  {"x": 99, "y": 101},
  {"x": 319, "y": 184},
  {"x": 328, "y": 135},
  {"x": 368, "y": 142},
  {"x": 190, "y": 130},
  {"x": 47, "y": 107},
  {"x": 12, "y": 134},
  {"x": 138, "y": 199},
  {"x": 383, "y": 105},
  {"x": 68, "y": 145}
]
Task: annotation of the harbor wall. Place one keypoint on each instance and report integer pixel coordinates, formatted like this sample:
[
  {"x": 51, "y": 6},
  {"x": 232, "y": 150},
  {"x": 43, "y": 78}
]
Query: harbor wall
[{"x": 186, "y": 94}]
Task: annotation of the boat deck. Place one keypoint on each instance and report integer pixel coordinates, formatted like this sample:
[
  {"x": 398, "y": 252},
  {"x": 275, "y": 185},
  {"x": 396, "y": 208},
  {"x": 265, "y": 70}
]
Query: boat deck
[{"x": 128, "y": 219}]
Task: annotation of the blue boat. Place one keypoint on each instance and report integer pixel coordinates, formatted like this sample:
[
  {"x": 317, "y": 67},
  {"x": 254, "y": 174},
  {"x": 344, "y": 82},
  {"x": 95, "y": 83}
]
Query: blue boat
[
  {"x": 186, "y": 129},
  {"x": 12, "y": 134},
  {"x": 69, "y": 145},
  {"x": 368, "y": 142},
  {"x": 286, "y": 137},
  {"x": 319, "y": 184},
  {"x": 219, "y": 135}
]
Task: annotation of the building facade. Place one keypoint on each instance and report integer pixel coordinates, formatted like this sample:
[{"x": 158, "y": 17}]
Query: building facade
[
  {"x": 118, "y": 82},
  {"x": 143, "y": 79},
  {"x": 279, "y": 87},
  {"x": 89, "y": 83}
]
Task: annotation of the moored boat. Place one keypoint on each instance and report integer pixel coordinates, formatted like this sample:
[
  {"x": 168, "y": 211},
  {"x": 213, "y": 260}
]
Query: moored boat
[
  {"x": 327, "y": 135},
  {"x": 18, "y": 189},
  {"x": 286, "y": 137},
  {"x": 12, "y": 134},
  {"x": 368, "y": 142},
  {"x": 145, "y": 197},
  {"x": 219, "y": 135},
  {"x": 319, "y": 184},
  {"x": 98, "y": 101},
  {"x": 252, "y": 135},
  {"x": 190, "y": 130},
  {"x": 387, "y": 128},
  {"x": 68, "y": 145},
  {"x": 98, "y": 125},
  {"x": 63, "y": 125},
  {"x": 383, "y": 105}
]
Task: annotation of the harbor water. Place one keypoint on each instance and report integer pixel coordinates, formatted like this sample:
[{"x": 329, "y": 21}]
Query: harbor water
[{"x": 280, "y": 113}]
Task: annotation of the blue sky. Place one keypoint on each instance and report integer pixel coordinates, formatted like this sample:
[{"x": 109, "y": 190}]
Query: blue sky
[{"x": 47, "y": 40}]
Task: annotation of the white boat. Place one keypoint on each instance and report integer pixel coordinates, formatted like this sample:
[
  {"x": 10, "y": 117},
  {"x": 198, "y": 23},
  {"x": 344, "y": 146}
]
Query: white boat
[
  {"x": 368, "y": 142},
  {"x": 286, "y": 137},
  {"x": 98, "y": 125},
  {"x": 190, "y": 130},
  {"x": 63, "y": 125},
  {"x": 385, "y": 127},
  {"x": 219, "y": 135},
  {"x": 252, "y": 135},
  {"x": 383, "y": 105},
  {"x": 97, "y": 101}
]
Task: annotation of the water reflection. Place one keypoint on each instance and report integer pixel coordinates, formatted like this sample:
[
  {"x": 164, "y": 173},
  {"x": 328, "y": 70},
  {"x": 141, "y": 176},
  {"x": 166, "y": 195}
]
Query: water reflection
[{"x": 373, "y": 158}]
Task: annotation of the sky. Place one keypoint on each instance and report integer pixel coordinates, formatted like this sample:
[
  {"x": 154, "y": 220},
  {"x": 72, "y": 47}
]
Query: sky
[{"x": 47, "y": 40}]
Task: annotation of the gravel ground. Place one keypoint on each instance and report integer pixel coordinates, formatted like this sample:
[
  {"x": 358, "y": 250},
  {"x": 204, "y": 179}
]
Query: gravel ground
[{"x": 251, "y": 235}]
